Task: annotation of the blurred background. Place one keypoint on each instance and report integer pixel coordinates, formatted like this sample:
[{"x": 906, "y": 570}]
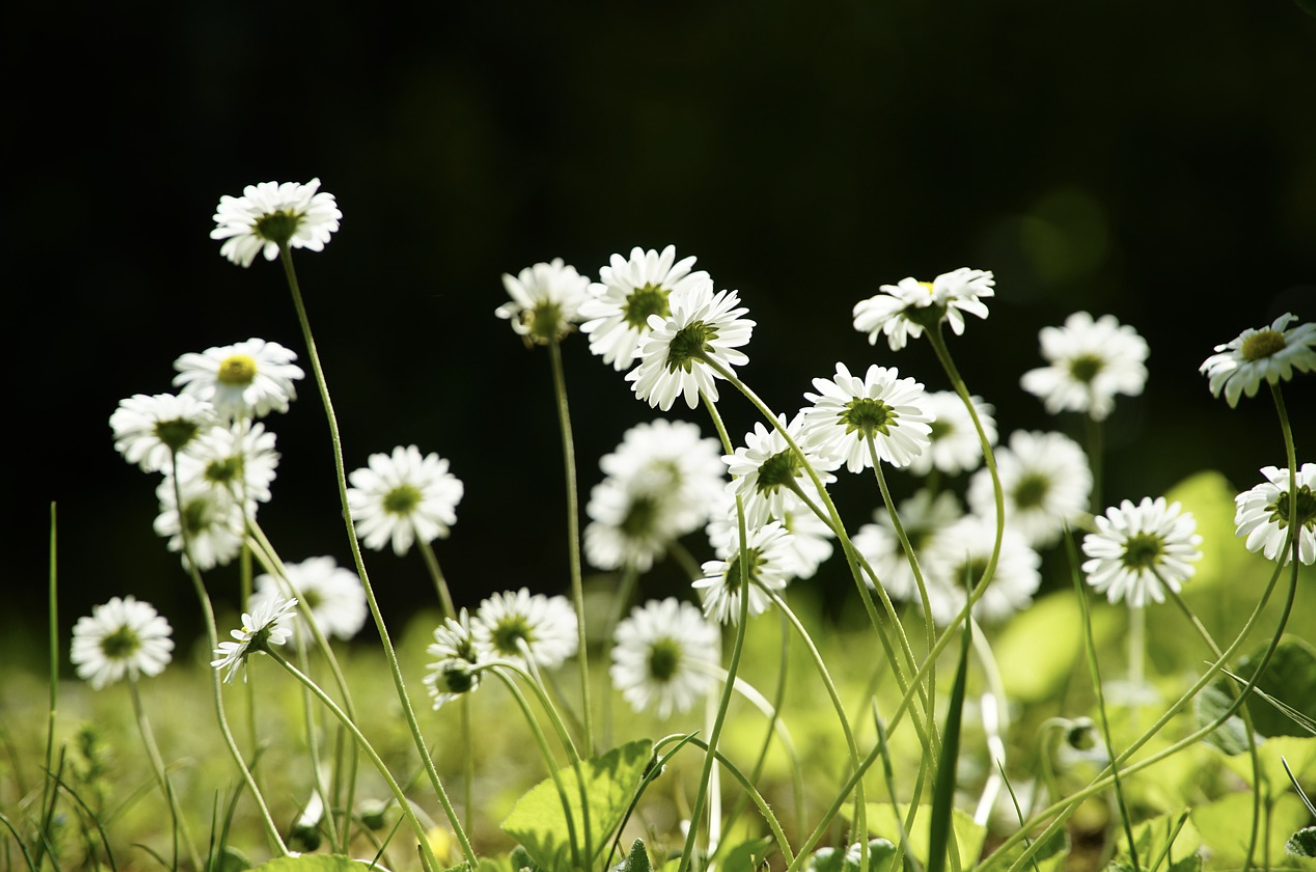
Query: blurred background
[{"x": 1156, "y": 162}]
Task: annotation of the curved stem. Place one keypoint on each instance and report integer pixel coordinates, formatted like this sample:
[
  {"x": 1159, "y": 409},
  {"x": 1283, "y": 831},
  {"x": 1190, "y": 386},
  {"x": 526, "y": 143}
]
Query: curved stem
[
  {"x": 440, "y": 583},
  {"x": 161, "y": 776}
]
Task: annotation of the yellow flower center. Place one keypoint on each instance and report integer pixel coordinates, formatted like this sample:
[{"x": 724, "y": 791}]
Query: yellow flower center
[{"x": 237, "y": 369}]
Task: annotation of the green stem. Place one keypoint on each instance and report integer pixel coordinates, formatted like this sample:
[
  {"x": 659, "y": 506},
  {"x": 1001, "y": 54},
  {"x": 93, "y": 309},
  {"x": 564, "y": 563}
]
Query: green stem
[
  {"x": 161, "y": 777},
  {"x": 440, "y": 583},
  {"x": 48, "y": 796},
  {"x": 1096, "y": 451}
]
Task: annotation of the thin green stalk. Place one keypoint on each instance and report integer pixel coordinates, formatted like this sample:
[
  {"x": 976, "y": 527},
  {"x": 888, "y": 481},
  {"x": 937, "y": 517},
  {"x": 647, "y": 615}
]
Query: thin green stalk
[
  {"x": 468, "y": 852},
  {"x": 440, "y": 583},
  {"x": 313, "y": 742},
  {"x": 1137, "y": 660},
  {"x": 52, "y": 615},
  {"x": 1095, "y": 458},
  {"x": 620, "y": 600},
  {"x": 161, "y": 777},
  {"x": 995, "y": 722}
]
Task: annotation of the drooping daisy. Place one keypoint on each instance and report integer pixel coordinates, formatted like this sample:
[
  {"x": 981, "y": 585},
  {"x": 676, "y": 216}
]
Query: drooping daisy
[
  {"x": 768, "y": 549},
  {"x": 520, "y": 626},
  {"x": 402, "y": 497},
  {"x": 1089, "y": 363},
  {"x": 655, "y": 662},
  {"x": 766, "y": 469},
  {"x": 334, "y": 595},
  {"x": 922, "y": 515},
  {"x": 238, "y": 460},
  {"x": 249, "y": 379},
  {"x": 1046, "y": 480},
  {"x": 213, "y": 523},
  {"x": 1271, "y": 353},
  {"x": 906, "y": 309},
  {"x": 957, "y": 556},
  {"x": 148, "y": 430},
  {"x": 545, "y": 302},
  {"x": 268, "y": 623},
  {"x": 1137, "y": 549},
  {"x": 702, "y": 327},
  {"x": 671, "y": 460},
  {"x": 269, "y": 215},
  {"x": 616, "y": 314},
  {"x": 121, "y": 637},
  {"x": 953, "y": 443},
  {"x": 453, "y": 672},
  {"x": 847, "y": 410},
  {"x": 1262, "y": 514}
]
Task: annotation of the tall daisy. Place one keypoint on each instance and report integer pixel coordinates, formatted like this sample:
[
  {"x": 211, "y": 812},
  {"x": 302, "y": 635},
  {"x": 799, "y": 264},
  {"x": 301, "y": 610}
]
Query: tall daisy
[
  {"x": 1262, "y": 514},
  {"x": 766, "y": 469},
  {"x": 267, "y": 624},
  {"x": 520, "y": 626},
  {"x": 672, "y": 461},
  {"x": 457, "y": 655},
  {"x": 1138, "y": 550},
  {"x": 402, "y": 497},
  {"x": 270, "y": 215},
  {"x": 1046, "y": 480},
  {"x": 1271, "y": 353},
  {"x": 616, "y": 314},
  {"x": 703, "y": 327},
  {"x": 209, "y": 523},
  {"x": 249, "y": 379},
  {"x": 657, "y": 657},
  {"x": 848, "y": 410},
  {"x": 335, "y": 595},
  {"x": 957, "y": 556},
  {"x": 953, "y": 443},
  {"x": 768, "y": 550},
  {"x": 238, "y": 460},
  {"x": 1089, "y": 362},
  {"x": 123, "y": 637},
  {"x": 630, "y": 526},
  {"x": 149, "y": 430},
  {"x": 905, "y": 310},
  {"x": 545, "y": 302}
]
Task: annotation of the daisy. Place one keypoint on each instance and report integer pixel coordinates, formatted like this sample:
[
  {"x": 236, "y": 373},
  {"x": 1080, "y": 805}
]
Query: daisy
[
  {"x": 149, "y": 430},
  {"x": 403, "y": 497},
  {"x": 1046, "y": 480},
  {"x": 616, "y": 314},
  {"x": 922, "y": 515},
  {"x": 520, "y": 627},
  {"x": 810, "y": 539},
  {"x": 629, "y": 527},
  {"x": 268, "y": 623},
  {"x": 1262, "y": 514},
  {"x": 545, "y": 301},
  {"x": 674, "y": 359},
  {"x": 849, "y": 410},
  {"x": 954, "y": 446},
  {"x": 249, "y": 379},
  {"x": 270, "y": 215},
  {"x": 212, "y": 520},
  {"x": 239, "y": 460},
  {"x": 768, "y": 551},
  {"x": 1272, "y": 353},
  {"x": 904, "y": 310},
  {"x": 334, "y": 595},
  {"x": 1090, "y": 362},
  {"x": 658, "y": 653},
  {"x": 765, "y": 469},
  {"x": 673, "y": 461},
  {"x": 957, "y": 555},
  {"x": 453, "y": 673},
  {"x": 121, "y": 637},
  {"x": 1137, "y": 549}
]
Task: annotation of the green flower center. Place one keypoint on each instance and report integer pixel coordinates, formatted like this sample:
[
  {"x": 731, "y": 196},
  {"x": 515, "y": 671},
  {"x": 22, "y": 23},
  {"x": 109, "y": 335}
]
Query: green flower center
[
  {"x": 970, "y": 571},
  {"x": 545, "y": 323},
  {"x": 646, "y": 301},
  {"x": 1031, "y": 491},
  {"x": 779, "y": 470},
  {"x": 870, "y": 417},
  {"x": 196, "y": 516},
  {"x": 939, "y": 430},
  {"x": 311, "y": 598},
  {"x": 510, "y": 632},
  {"x": 237, "y": 369},
  {"x": 176, "y": 433},
  {"x": 640, "y": 516},
  {"x": 1279, "y": 510},
  {"x": 664, "y": 659},
  {"x": 1142, "y": 551},
  {"x": 278, "y": 227},
  {"x": 224, "y": 472},
  {"x": 1085, "y": 367},
  {"x": 732, "y": 576},
  {"x": 1263, "y": 343},
  {"x": 454, "y": 677},
  {"x": 121, "y": 644},
  {"x": 402, "y": 500},
  {"x": 689, "y": 345}
]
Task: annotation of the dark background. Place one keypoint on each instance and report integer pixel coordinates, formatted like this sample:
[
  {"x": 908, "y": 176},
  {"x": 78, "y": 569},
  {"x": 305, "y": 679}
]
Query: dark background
[{"x": 1156, "y": 161}]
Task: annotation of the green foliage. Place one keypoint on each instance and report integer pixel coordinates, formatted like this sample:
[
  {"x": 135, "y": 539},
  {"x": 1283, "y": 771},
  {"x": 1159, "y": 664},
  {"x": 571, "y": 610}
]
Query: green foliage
[
  {"x": 748, "y": 856},
  {"x": 969, "y": 836},
  {"x": 1290, "y": 677},
  {"x": 1302, "y": 843},
  {"x": 880, "y": 853},
  {"x": 638, "y": 859},
  {"x": 1227, "y": 823},
  {"x": 315, "y": 863},
  {"x": 1034, "y": 659},
  {"x": 1050, "y": 857}
]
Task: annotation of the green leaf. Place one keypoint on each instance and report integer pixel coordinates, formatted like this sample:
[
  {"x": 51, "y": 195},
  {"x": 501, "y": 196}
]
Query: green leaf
[
  {"x": 1290, "y": 677},
  {"x": 1299, "y": 753},
  {"x": 1302, "y": 843},
  {"x": 316, "y": 863},
  {"x": 968, "y": 835},
  {"x": 539, "y": 823},
  {"x": 1035, "y": 660},
  {"x": 748, "y": 856},
  {"x": 638, "y": 859},
  {"x": 229, "y": 860},
  {"x": 880, "y": 852},
  {"x": 1050, "y": 856},
  {"x": 1226, "y": 826},
  {"x": 1208, "y": 706}
]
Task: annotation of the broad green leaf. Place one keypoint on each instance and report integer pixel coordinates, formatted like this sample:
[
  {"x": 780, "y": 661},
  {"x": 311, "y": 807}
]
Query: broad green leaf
[
  {"x": 1034, "y": 656},
  {"x": 1303, "y": 843},
  {"x": 539, "y": 822},
  {"x": 1169, "y": 837},
  {"x": 1050, "y": 856},
  {"x": 1210, "y": 497},
  {"x": 880, "y": 852},
  {"x": 1225, "y": 826},
  {"x": 638, "y": 859},
  {"x": 968, "y": 835},
  {"x": 1300, "y": 754},
  {"x": 1290, "y": 677},
  {"x": 748, "y": 856},
  {"x": 1208, "y": 706},
  {"x": 316, "y": 863}
]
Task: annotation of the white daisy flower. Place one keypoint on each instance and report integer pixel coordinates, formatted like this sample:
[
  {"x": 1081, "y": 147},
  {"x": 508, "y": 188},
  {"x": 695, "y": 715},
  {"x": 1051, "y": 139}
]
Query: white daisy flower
[
  {"x": 953, "y": 446},
  {"x": 1089, "y": 363},
  {"x": 957, "y": 556},
  {"x": 1046, "y": 480},
  {"x": 519, "y": 626},
  {"x": 616, "y": 315},
  {"x": 1271, "y": 353},
  {"x": 403, "y": 497},
  {"x": 545, "y": 302},
  {"x": 629, "y": 526},
  {"x": 1137, "y": 549},
  {"x": 249, "y": 379},
  {"x": 1262, "y": 514},
  {"x": 847, "y": 410},
  {"x": 213, "y": 521},
  {"x": 268, "y": 623},
  {"x": 703, "y": 326},
  {"x": 453, "y": 672},
  {"x": 148, "y": 430},
  {"x": 765, "y": 469},
  {"x": 922, "y": 515},
  {"x": 906, "y": 309},
  {"x": 672, "y": 460},
  {"x": 238, "y": 460},
  {"x": 810, "y": 541},
  {"x": 335, "y": 595},
  {"x": 769, "y": 558},
  {"x": 271, "y": 214},
  {"x": 655, "y": 661},
  {"x": 121, "y": 637}
]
